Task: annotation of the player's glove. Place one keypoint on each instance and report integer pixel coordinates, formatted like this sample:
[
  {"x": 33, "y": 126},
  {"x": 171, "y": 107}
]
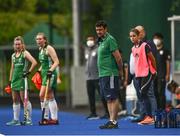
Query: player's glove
[
  {"x": 49, "y": 74},
  {"x": 25, "y": 74},
  {"x": 9, "y": 83},
  {"x": 39, "y": 71},
  {"x": 8, "y": 88}
]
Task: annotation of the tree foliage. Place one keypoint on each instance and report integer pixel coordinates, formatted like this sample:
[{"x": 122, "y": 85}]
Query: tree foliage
[
  {"x": 14, "y": 24},
  {"x": 175, "y": 4},
  {"x": 57, "y": 6},
  {"x": 17, "y": 5},
  {"x": 19, "y": 16},
  {"x": 94, "y": 10},
  {"x": 175, "y": 7}
]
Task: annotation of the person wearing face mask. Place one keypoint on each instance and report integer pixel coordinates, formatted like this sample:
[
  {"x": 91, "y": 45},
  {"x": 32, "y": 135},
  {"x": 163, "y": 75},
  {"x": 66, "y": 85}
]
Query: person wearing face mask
[
  {"x": 163, "y": 58},
  {"x": 92, "y": 79}
]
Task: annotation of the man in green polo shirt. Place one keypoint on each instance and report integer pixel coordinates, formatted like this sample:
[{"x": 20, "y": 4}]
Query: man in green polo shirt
[{"x": 110, "y": 68}]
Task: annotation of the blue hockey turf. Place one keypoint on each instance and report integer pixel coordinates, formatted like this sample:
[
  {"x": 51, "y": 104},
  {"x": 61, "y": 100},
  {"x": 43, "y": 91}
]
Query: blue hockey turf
[{"x": 76, "y": 124}]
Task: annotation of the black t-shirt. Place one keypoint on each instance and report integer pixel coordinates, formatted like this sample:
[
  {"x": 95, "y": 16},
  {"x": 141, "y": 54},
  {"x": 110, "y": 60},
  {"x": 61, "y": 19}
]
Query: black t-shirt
[
  {"x": 152, "y": 46},
  {"x": 161, "y": 57},
  {"x": 147, "y": 47}
]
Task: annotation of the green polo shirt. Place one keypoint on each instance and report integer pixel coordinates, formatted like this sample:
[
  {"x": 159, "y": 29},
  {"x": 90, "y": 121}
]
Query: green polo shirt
[{"x": 107, "y": 65}]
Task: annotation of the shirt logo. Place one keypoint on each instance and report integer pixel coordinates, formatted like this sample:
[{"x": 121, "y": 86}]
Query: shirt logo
[
  {"x": 108, "y": 96},
  {"x": 86, "y": 56},
  {"x": 169, "y": 57},
  {"x": 161, "y": 52},
  {"x": 93, "y": 53}
]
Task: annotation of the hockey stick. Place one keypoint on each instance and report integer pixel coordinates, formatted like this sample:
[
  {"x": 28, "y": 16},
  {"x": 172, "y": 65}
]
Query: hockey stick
[
  {"x": 26, "y": 112},
  {"x": 45, "y": 104}
]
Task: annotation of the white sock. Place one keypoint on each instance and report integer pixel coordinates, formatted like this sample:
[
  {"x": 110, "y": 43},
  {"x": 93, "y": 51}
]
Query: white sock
[
  {"x": 53, "y": 109},
  {"x": 114, "y": 121},
  {"x": 46, "y": 113},
  {"x": 29, "y": 107},
  {"x": 16, "y": 111}
]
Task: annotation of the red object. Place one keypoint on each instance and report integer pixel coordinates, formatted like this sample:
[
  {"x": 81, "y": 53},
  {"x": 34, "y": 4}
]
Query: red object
[
  {"x": 49, "y": 122},
  {"x": 37, "y": 80},
  {"x": 8, "y": 89}
]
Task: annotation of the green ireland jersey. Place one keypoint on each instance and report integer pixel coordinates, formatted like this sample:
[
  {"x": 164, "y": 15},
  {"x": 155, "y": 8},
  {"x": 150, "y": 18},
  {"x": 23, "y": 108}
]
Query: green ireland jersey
[
  {"x": 46, "y": 63},
  {"x": 20, "y": 65},
  {"x": 107, "y": 65}
]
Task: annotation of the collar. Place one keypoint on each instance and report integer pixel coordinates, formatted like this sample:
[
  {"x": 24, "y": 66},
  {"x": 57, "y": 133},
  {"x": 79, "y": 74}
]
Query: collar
[
  {"x": 105, "y": 36},
  {"x": 44, "y": 47},
  {"x": 92, "y": 48},
  {"x": 139, "y": 44},
  {"x": 101, "y": 39}
]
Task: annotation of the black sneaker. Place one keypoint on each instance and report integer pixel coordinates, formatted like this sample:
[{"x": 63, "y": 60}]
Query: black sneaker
[
  {"x": 92, "y": 117},
  {"x": 109, "y": 125}
]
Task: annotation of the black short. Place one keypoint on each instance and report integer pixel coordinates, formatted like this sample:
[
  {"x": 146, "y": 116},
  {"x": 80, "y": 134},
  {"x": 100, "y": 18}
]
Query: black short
[{"x": 109, "y": 87}]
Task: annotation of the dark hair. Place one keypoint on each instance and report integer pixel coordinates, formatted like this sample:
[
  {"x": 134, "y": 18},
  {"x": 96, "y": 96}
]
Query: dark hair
[
  {"x": 159, "y": 35},
  {"x": 91, "y": 36},
  {"x": 101, "y": 23},
  {"x": 135, "y": 31}
]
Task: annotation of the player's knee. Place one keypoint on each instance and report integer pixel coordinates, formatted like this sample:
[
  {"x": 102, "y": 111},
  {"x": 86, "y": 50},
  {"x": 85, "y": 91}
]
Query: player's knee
[
  {"x": 51, "y": 95},
  {"x": 41, "y": 97},
  {"x": 16, "y": 102}
]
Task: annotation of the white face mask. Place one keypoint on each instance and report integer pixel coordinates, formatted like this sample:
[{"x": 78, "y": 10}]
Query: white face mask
[
  {"x": 157, "y": 42},
  {"x": 90, "y": 43}
]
